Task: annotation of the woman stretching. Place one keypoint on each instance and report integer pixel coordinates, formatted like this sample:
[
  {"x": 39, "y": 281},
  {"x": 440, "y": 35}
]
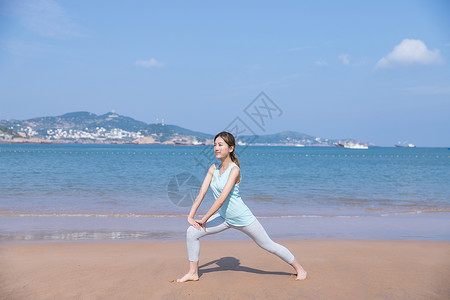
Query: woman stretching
[{"x": 232, "y": 212}]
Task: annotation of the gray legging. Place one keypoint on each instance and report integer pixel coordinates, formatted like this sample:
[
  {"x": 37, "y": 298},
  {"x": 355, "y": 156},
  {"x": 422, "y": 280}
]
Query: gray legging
[{"x": 216, "y": 224}]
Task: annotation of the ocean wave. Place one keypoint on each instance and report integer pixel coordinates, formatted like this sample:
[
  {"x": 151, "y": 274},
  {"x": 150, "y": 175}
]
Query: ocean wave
[
  {"x": 143, "y": 215},
  {"x": 87, "y": 235},
  {"x": 99, "y": 215}
]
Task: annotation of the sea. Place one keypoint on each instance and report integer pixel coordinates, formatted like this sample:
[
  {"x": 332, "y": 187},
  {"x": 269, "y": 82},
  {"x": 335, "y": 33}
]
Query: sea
[{"x": 144, "y": 192}]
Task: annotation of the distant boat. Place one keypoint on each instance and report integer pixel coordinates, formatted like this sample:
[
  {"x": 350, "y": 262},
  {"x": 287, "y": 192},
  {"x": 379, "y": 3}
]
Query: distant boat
[
  {"x": 355, "y": 146},
  {"x": 193, "y": 143},
  {"x": 240, "y": 143},
  {"x": 350, "y": 145},
  {"x": 299, "y": 145},
  {"x": 179, "y": 144},
  {"x": 188, "y": 143},
  {"x": 405, "y": 145},
  {"x": 197, "y": 143}
]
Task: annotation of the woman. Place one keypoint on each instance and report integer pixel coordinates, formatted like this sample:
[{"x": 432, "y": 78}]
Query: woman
[{"x": 232, "y": 212}]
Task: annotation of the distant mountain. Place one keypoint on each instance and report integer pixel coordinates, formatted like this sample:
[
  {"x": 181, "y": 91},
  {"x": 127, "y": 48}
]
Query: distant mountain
[
  {"x": 283, "y": 137},
  {"x": 78, "y": 121},
  {"x": 6, "y": 131},
  {"x": 185, "y": 131},
  {"x": 111, "y": 127},
  {"x": 84, "y": 125},
  {"x": 294, "y": 138}
]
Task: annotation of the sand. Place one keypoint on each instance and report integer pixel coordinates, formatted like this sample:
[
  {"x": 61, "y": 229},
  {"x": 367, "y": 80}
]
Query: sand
[{"x": 337, "y": 269}]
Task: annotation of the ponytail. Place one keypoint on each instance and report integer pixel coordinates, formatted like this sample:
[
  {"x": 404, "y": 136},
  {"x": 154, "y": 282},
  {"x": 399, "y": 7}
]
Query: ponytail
[{"x": 234, "y": 158}]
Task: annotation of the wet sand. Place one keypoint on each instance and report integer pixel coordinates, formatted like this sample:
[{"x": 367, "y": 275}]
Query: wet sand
[
  {"x": 239, "y": 269},
  {"x": 37, "y": 227}
]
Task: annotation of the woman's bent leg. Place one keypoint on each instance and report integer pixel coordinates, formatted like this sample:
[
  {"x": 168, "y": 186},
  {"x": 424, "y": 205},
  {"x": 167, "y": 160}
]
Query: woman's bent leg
[
  {"x": 215, "y": 224},
  {"x": 257, "y": 232}
]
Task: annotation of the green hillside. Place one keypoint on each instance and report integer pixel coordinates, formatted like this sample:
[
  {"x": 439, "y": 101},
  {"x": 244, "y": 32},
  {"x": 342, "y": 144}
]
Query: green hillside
[
  {"x": 86, "y": 125},
  {"x": 6, "y": 130}
]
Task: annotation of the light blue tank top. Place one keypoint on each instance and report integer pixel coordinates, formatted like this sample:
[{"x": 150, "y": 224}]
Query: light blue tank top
[{"x": 233, "y": 210}]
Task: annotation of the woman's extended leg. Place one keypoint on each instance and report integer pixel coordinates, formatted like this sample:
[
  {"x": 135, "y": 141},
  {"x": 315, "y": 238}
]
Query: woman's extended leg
[
  {"x": 257, "y": 232},
  {"x": 215, "y": 224}
]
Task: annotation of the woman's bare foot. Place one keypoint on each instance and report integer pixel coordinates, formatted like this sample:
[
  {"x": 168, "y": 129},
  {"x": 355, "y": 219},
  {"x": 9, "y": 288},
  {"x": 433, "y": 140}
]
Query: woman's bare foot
[
  {"x": 188, "y": 277},
  {"x": 301, "y": 275}
]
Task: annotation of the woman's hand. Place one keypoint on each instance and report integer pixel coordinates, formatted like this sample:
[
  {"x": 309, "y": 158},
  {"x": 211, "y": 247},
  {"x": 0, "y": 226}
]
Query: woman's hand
[
  {"x": 201, "y": 223},
  {"x": 196, "y": 223}
]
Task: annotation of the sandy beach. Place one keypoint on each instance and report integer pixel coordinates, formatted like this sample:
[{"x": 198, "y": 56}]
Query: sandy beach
[{"x": 337, "y": 269}]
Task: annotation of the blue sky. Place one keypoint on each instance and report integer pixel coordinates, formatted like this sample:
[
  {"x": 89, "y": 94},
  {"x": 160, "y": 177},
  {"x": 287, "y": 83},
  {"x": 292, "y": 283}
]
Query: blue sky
[{"x": 377, "y": 71}]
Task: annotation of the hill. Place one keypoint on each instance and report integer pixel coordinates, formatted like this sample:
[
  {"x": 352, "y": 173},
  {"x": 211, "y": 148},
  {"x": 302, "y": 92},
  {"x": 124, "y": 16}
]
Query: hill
[
  {"x": 88, "y": 127},
  {"x": 78, "y": 121}
]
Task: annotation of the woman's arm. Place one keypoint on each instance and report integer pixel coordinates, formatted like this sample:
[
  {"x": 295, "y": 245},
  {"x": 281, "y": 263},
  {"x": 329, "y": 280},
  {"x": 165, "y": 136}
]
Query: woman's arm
[
  {"x": 202, "y": 192},
  {"x": 232, "y": 179}
]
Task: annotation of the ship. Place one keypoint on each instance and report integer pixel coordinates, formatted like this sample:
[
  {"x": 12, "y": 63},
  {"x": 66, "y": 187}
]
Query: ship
[
  {"x": 350, "y": 145},
  {"x": 405, "y": 145},
  {"x": 193, "y": 143},
  {"x": 197, "y": 143},
  {"x": 355, "y": 146}
]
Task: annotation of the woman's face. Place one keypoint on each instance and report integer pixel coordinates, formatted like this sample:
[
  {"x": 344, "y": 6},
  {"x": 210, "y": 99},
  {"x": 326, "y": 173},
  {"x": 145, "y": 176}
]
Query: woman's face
[{"x": 221, "y": 149}]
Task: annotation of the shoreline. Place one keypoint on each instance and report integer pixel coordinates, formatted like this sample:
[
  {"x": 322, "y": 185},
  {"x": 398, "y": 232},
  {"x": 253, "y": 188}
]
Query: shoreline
[
  {"x": 337, "y": 269},
  {"x": 425, "y": 226},
  {"x": 128, "y": 143}
]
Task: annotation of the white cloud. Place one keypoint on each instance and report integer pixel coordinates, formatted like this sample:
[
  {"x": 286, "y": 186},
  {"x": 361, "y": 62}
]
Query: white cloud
[
  {"x": 345, "y": 59},
  {"x": 151, "y": 63},
  {"x": 321, "y": 63},
  {"x": 410, "y": 52},
  {"x": 46, "y": 18}
]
